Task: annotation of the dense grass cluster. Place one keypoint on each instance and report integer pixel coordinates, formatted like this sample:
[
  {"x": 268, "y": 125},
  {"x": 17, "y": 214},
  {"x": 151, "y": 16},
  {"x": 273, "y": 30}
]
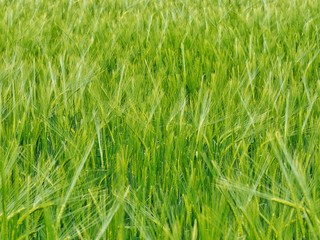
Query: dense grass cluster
[{"x": 159, "y": 119}]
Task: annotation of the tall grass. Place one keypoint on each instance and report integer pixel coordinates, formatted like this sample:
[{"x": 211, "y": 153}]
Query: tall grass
[{"x": 159, "y": 119}]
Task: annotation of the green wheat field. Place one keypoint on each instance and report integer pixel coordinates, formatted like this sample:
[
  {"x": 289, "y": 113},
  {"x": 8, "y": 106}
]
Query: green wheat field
[{"x": 159, "y": 119}]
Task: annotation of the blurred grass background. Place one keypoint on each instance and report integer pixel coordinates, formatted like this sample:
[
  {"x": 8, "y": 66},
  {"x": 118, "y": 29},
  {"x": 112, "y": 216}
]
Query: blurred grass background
[{"x": 159, "y": 119}]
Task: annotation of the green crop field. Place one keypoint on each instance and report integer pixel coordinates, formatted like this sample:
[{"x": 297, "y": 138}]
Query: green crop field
[{"x": 159, "y": 119}]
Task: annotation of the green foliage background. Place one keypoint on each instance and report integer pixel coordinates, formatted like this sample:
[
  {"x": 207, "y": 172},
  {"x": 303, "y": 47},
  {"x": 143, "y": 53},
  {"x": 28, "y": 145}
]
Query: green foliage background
[{"x": 148, "y": 119}]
